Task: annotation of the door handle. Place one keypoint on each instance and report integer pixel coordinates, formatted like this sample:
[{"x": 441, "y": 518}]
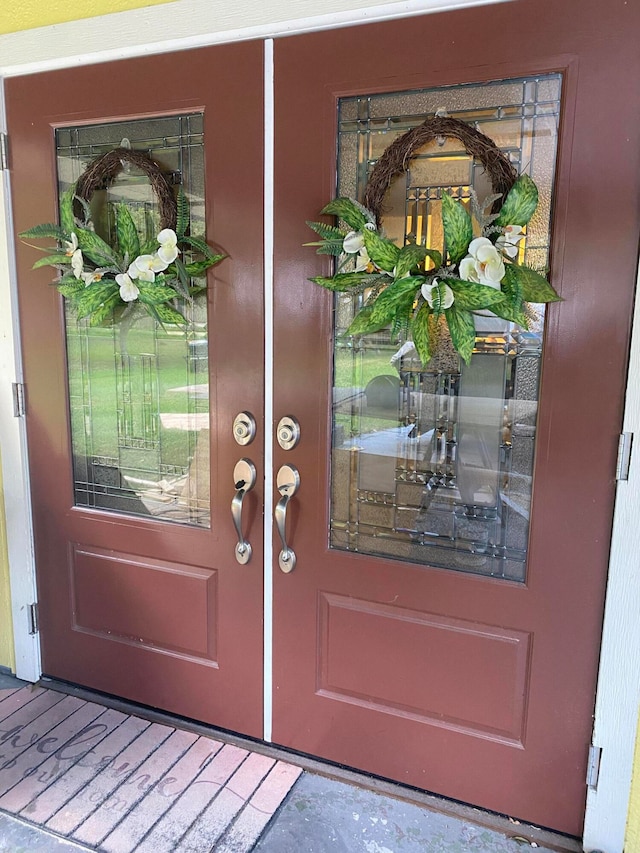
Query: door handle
[
  {"x": 288, "y": 482},
  {"x": 244, "y": 479}
]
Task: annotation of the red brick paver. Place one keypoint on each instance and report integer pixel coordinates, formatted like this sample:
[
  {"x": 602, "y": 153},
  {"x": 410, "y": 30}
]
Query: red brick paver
[{"x": 122, "y": 785}]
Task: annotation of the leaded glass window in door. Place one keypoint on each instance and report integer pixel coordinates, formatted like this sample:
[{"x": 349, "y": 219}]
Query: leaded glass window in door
[
  {"x": 139, "y": 389},
  {"x": 434, "y": 464}
]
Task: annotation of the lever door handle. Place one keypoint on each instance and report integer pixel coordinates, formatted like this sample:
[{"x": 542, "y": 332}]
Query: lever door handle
[
  {"x": 244, "y": 479},
  {"x": 288, "y": 482}
]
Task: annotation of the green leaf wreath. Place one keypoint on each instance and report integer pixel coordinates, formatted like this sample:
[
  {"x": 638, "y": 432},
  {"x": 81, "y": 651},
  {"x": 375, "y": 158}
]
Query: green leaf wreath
[
  {"x": 411, "y": 287},
  {"x": 98, "y": 278}
]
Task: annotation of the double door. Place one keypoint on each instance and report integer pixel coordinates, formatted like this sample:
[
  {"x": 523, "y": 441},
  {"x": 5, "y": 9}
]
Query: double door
[{"x": 450, "y": 525}]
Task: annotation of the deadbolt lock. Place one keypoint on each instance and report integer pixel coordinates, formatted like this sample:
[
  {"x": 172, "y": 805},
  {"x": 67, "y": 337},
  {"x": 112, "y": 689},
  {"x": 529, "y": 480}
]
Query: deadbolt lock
[
  {"x": 244, "y": 428},
  {"x": 288, "y": 432}
]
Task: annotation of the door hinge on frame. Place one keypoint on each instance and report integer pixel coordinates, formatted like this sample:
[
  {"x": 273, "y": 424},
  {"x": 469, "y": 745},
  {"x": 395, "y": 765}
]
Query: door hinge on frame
[
  {"x": 4, "y": 152},
  {"x": 593, "y": 766},
  {"x": 19, "y": 407},
  {"x": 624, "y": 456},
  {"x": 32, "y": 616}
]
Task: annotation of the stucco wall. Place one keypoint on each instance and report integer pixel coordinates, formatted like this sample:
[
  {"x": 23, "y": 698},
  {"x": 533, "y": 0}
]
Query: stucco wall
[
  {"x": 28, "y": 14},
  {"x": 632, "y": 841}
]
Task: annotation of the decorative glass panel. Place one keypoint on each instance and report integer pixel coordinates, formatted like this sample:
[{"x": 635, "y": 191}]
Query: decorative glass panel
[
  {"x": 139, "y": 390},
  {"x": 434, "y": 464}
]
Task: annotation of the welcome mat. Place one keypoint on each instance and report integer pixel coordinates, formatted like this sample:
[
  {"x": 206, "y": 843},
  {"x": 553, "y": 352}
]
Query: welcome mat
[{"x": 118, "y": 783}]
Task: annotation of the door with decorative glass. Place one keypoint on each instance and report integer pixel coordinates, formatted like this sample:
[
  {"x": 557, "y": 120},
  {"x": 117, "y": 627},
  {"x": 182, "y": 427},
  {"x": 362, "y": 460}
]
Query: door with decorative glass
[
  {"x": 451, "y": 522},
  {"x": 144, "y": 586}
]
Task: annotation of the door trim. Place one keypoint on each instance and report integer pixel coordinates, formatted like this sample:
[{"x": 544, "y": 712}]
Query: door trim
[
  {"x": 13, "y": 441},
  {"x": 615, "y": 727}
]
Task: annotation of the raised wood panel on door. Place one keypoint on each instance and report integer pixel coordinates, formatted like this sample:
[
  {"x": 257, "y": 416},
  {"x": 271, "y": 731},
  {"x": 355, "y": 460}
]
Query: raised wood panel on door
[
  {"x": 145, "y": 609},
  {"x": 403, "y": 670}
]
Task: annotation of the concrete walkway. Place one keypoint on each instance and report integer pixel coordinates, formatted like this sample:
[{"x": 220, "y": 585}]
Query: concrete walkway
[{"x": 76, "y": 775}]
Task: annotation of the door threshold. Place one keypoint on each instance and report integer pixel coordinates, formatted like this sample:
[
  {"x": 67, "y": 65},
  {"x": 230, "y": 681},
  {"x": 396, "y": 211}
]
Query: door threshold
[{"x": 536, "y": 836}]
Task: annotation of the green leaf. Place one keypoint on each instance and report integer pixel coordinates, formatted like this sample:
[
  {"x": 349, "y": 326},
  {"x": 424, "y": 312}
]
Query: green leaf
[
  {"x": 410, "y": 256},
  {"x": 458, "y": 228},
  {"x": 382, "y": 252},
  {"x": 362, "y": 324},
  {"x": 328, "y": 247},
  {"x": 94, "y": 296},
  {"x": 183, "y": 217},
  {"x": 511, "y": 306},
  {"x": 347, "y": 280},
  {"x": 69, "y": 288},
  {"x": 420, "y": 333},
  {"x": 96, "y": 249},
  {"x": 46, "y": 230},
  {"x": 327, "y": 232},
  {"x": 473, "y": 296},
  {"x": 67, "y": 220},
  {"x": 462, "y": 330},
  {"x": 534, "y": 287},
  {"x": 199, "y": 268},
  {"x": 105, "y": 311},
  {"x": 166, "y": 314},
  {"x": 350, "y": 211},
  {"x": 183, "y": 277},
  {"x": 520, "y": 203},
  {"x": 128, "y": 240},
  {"x": 154, "y": 294},
  {"x": 398, "y": 295},
  {"x": 52, "y": 260},
  {"x": 199, "y": 245},
  {"x": 150, "y": 247}
]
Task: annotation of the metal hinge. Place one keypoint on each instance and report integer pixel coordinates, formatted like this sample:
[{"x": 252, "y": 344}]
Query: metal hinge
[
  {"x": 624, "y": 456},
  {"x": 4, "y": 152},
  {"x": 19, "y": 406},
  {"x": 593, "y": 766},
  {"x": 32, "y": 616}
]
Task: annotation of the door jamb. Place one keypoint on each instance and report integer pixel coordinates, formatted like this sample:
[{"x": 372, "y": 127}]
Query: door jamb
[{"x": 13, "y": 440}]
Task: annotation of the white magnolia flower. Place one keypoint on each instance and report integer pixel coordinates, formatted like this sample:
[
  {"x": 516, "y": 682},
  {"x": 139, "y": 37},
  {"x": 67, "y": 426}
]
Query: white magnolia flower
[
  {"x": 72, "y": 251},
  {"x": 128, "y": 290},
  {"x": 439, "y": 293},
  {"x": 483, "y": 264},
  {"x": 508, "y": 242},
  {"x": 168, "y": 250},
  {"x": 90, "y": 277},
  {"x": 353, "y": 242},
  {"x": 145, "y": 267},
  {"x": 363, "y": 260}
]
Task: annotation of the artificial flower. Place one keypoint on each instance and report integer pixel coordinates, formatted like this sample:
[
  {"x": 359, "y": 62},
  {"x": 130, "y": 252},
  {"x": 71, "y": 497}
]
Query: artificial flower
[
  {"x": 128, "y": 290},
  {"x": 508, "y": 242},
  {"x": 483, "y": 264},
  {"x": 90, "y": 277},
  {"x": 438, "y": 295},
  {"x": 353, "y": 242},
  {"x": 72, "y": 251},
  {"x": 145, "y": 267},
  {"x": 168, "y": 250}
]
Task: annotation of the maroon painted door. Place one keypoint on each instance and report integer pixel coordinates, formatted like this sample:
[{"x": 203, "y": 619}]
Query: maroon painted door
[
  {"x": 417, "y": 638},
  {"x": 140, "y": 593}
]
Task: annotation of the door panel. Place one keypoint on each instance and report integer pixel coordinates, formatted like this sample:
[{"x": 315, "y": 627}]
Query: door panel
[
  {"x": 137, "y": 606},
  {"x": 477, "y": 688}
]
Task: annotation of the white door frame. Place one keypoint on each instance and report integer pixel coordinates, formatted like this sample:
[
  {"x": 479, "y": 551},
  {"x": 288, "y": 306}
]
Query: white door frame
[{"x": 618, "y": 695}]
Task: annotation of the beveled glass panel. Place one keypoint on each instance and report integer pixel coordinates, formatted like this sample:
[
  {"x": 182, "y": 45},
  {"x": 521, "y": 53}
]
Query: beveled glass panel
[
  {"x": 434, "y": 465},
  {"x": 138, "y": 390}
]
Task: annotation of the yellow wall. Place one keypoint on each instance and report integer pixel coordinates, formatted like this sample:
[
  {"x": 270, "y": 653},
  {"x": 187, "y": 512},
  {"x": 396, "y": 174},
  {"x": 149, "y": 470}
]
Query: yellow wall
[
  {"x": 27, "y": 14},
  {"x": 632, "y": 841},
  {"x": 7, "y": 657}
]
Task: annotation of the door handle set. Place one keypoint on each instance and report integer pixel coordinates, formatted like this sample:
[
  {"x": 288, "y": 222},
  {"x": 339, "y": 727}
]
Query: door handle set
[
  {"x": 288, "y": 483},
  {"x": 244, "y": 479}
]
